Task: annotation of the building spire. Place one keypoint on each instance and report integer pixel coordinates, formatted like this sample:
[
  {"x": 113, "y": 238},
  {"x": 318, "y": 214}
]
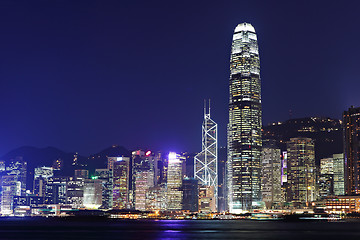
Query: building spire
[{"x": 209, "y": 107}]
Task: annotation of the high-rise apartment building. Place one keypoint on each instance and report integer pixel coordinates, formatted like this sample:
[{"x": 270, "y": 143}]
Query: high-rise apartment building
[
  {"x": 244, "y": 128},
  {"x": 206, "y": 162},
  {"x": 174, "y": 181},
  {"x": 351, "y": 123},
  {"x": 271, "y": 175},
  {"x": 301, "y": 171}
]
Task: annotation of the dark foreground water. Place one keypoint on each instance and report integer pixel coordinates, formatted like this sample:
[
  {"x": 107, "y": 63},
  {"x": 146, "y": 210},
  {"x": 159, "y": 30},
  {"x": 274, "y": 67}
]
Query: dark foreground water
[{"x": 175, "y": 229}]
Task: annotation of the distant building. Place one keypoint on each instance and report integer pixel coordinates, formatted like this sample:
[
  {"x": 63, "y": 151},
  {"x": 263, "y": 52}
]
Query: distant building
[
  {"x": 271, "y": 175},
  {"x": 75, "y": 192},
  {"x": 343, "y": 204},
  {"x": 2, "y": 166},
  {"x": 207, "y": 202},
  {"x": 9, "y": 191},
  {"x": 174, "y": 181},
  {"x": 301, "y": 171},
  {"x": 326, "y": 132},
  {"x": 41, "y": 177},
  {"x": 156, "y": 198},
  {"x": 190, "y": 194},
  {"x": 106, "y": 178},
  {"x": 339, "y": 175},
  {"x": 18, "y": 168},
  {"x": 56, "y": 190},
  {"x": 82, "y": 173},
  {"x": 92, "y": 193},
  {"x": 143, "y": 182},
  {"x": 142, "y": 161},
  {"x": 351, "y": 122},
  {"x": 121, "y": 169},
  {"x": 326, "y": 166}
]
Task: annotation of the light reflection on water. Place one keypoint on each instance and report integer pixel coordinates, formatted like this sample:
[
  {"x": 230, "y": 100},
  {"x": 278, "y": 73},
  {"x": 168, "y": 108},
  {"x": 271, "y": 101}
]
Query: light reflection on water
[{"x": 175, "y": 229}]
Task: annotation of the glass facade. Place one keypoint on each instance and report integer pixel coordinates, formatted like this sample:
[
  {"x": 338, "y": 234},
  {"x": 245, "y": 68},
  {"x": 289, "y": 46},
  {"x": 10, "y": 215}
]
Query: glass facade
[
  {"x": 244, "y": 129},
  {"x": 206, "y": 162}
]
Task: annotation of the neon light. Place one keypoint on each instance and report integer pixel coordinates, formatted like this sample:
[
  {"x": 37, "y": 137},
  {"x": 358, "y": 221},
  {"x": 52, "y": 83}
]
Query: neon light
[{"x": 148, "y": 153}]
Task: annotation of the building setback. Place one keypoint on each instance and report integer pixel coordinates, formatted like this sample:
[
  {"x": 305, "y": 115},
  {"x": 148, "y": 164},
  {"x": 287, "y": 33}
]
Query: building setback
[{"x": 244, "y": 128}]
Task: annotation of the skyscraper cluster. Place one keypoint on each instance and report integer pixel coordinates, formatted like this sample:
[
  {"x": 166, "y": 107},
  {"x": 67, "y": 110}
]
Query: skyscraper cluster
[{"x": 292, "y": 164}]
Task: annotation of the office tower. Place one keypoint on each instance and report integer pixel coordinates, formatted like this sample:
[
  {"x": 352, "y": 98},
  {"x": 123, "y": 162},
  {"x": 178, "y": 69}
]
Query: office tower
[
  {"x": 351, "y": 123},
  {"x": 142, "y": 161},
  {"x": 9, "y": 190},
  {"x": 284, "y": 177},
  {"x": 143, "y": 182},
  {"x": 55, "y": 192},
  {"x": 206, "y": 162},
  {"x": 207, "y": 203},
  {"x": 271, "y": 175},
  {"x": 190, "y": 194},
  {"x": 92, "y": 193},
  {"x": 82, "y": 173},
  {"x": 338, "y": 162},
  {"x": 174, "y": 181},
  {"x": 41, "y": 176},
  {"x": 106, "y": 178},
  {"x": 326, "y": 178},
  {"x": 284, "y": 173},
  {"x": 120, "y": 169},
  {"x": 18, "y": 168},
  {"x": 156, "y": 198},
  {"x": 326, "y": 166},
  {"x": 301, "y": 171},
  {"x": 244, "y": 128},
  {"x": 75, "y": 192}
]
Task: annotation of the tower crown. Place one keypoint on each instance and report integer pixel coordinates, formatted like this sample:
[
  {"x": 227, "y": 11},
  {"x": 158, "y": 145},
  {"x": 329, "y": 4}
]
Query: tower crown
[{"x": 244, "y": 27}]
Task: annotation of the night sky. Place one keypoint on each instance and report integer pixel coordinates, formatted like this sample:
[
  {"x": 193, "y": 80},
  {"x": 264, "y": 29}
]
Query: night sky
[{"x": 84, "y": 75}]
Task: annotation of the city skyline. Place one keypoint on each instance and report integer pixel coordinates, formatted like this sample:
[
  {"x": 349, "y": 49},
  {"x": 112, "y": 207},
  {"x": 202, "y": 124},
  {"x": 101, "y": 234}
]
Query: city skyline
[{"x": 90, "y": 80}]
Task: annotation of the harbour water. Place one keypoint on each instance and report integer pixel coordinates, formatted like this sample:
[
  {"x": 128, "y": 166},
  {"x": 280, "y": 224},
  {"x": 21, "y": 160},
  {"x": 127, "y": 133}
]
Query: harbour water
[{"x": 53, "y": 229}]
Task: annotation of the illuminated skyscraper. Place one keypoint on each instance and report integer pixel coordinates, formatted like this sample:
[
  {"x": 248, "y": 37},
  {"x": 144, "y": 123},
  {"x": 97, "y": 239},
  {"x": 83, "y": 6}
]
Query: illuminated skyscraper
[
  {"x": 339, "y": 188},
  {"x": 174, "y": 181},
  {"x": 93, "y": 193},
  {"x": 120, "y": 168},
  {"x": 41, "y": 176},
  {"x": 244, "y": 129},
  {"x": 301, "y": 170},
  {"x": 143, "y": 182},
  {"x": 352, "y": 150},
  {"x": 106, "y": 177},
  {"x": 206, "y": 162},
  {"x": 271, "y": 175}
]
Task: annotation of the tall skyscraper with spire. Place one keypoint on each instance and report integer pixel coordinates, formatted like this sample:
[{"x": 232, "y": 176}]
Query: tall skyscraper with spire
[
  {"x": 244, "y": 128},
  {"x": 206, "y": 162}
]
